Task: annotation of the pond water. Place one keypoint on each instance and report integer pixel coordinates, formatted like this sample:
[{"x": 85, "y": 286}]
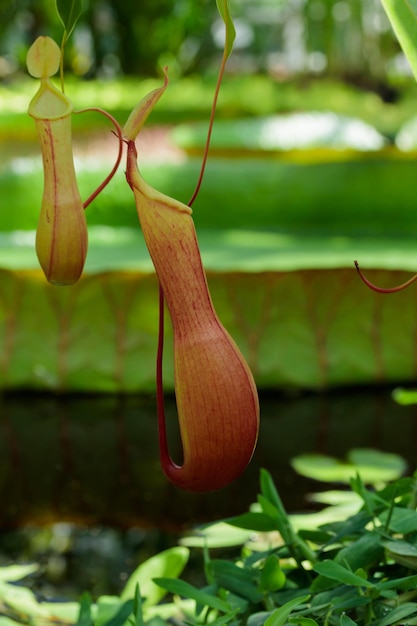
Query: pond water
[
  {"x": 94, "y": 459},
  {"x": 82, "y": 492}
]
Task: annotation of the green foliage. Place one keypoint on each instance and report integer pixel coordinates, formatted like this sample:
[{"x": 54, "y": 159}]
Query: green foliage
[
  {"x": 69, "y": 12},
  {"x": 403, "y": 17},
  {"x": 357, "y": 571},
  {"x": 224, "y": 10}
]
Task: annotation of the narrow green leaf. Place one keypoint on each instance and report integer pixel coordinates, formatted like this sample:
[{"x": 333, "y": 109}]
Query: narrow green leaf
[
  {"x": 403, "y": 17},
  {"x": 85, "y": 617},
  {"x": 137, "y": 620},
  {"x": 302, "y": 621},
  {"x": 408, "y": 582},
  {"x": 333, "y": 570},
  {"x": 69, "y": 12},
  {"x": 224, "y": 10},
  {"x": 253, "y": 521},
  {"x": 280, "y": 616},
  {"x": 346, "y": 621},
  {"x": 224, "y": 619},
  {"x": 398, "y": 614},
  {"x": 182, "y": 588},
  {"x": 122, "y": 614}
]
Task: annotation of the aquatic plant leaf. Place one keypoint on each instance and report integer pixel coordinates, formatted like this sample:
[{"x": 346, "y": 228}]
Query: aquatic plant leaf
[
  {"x": 253, "y": 521},
  {"x": 218, "y": 535},
  {"x": 22, "y": 600},
  {"x": 403, "y": 17},
  {"x": 377, "y": 465},
  {"x": 11, "y": 573},
  {"x": 69, "y": 12},
  {"x": 373, "y": 466},
  {"x": 405, "y": 396},
  {"x": 168, "y": 563}
]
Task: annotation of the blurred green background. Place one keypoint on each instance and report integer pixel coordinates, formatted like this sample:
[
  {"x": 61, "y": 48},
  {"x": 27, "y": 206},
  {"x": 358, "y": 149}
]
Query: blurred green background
[{"x": 347, "y": 39}]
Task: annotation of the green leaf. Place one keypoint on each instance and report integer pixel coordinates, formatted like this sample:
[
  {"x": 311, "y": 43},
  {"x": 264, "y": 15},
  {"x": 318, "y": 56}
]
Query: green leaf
[
  {"x": 106, "y": 607},
  {"x": 402, "y": 552},
  {"x": 302, "y": 621},
  {"x": 217, "y": 535},
  {"x": 408, "y": 582},
  {"x": 272, "y": 577},
  {"x": 85, "y": 617},
  {"x": 69, "y": 12},
  {"x": 236, "y": 579},
  {"x": 333, "y": 570},
  {"x": 122, "y": 614},
  {"x": 169, "y": 563},
  {"x": 182, "y": 588},
  {"x": 405, "y": 396},
  {"x": 403, "y": 17},
  {"x": 401, "y": 520},
  {"x": 373, "y": 466},
  {"x": 280, "y": 616},
  {"x": 137, "y": 609},
  {"x": 12, "y": 573},
  {"x": 22, "y": 600},
  {"x": 224, "y": 10},
  {"x": 253, "y": 521},
  {"x": 398, "y": 613},
  {"x": 365, "y": 551},
  {"x": 346, "y": 621},
  {"x": 224, "y": 619}
]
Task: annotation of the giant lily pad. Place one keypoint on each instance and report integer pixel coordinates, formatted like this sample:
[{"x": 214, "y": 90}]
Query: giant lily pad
[{"x": 284, "y": 232}]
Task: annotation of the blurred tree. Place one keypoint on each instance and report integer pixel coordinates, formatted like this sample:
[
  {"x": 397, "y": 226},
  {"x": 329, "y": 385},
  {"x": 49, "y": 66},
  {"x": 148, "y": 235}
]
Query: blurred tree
[
  {"x": 152, "y": 30},
  {"x": 345, "y": 38}
]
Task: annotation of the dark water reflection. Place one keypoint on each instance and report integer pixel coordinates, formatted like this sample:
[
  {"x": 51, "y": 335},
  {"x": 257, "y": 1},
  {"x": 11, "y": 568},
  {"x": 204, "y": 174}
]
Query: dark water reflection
[{"x": 94, "y": 460}]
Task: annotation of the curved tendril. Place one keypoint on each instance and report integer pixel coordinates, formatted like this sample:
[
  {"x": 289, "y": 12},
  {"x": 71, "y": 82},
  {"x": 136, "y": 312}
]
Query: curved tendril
[
  {"x": 119, "y": 135},
  {"x": 371, "y": 285},
  {"x": 210, "y": 127}
]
